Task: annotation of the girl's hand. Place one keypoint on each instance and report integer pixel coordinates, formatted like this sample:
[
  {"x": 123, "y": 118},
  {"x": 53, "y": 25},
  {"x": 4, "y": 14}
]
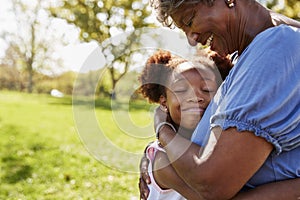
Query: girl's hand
[{"x": 144, "y": 179}]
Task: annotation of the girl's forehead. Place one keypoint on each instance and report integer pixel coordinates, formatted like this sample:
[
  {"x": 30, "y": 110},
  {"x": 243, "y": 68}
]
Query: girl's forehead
[
  {"x": 187, "y": 66},
  {"x": 184, "y": 67},
  {"x": 187, "y": 70}
]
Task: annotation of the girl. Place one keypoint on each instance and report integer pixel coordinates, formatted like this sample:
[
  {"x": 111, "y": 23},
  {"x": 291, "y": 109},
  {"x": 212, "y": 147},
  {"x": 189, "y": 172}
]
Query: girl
[{"x": 183, "y": 90}]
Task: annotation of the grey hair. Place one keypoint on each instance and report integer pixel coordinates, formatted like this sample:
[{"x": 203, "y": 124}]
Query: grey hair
[{"x": 164, "y": 8}]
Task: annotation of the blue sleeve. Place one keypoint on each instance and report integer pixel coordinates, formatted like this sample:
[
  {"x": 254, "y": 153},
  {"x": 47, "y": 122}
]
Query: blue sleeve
[{"x": 262, "y": 92}]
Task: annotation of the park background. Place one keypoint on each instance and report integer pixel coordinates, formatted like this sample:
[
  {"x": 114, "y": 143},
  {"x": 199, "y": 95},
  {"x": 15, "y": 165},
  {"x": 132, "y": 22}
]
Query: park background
[{"x": 68, "y": 79}]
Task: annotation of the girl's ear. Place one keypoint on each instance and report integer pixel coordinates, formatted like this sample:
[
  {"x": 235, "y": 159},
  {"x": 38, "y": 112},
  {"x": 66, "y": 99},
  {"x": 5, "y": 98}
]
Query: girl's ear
[
  {"x": 163, "y": 100},
  {"x": 163, "y": 103}
]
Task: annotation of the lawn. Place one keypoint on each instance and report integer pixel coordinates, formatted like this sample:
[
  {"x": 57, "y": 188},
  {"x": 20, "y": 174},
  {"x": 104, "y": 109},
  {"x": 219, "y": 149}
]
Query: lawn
[{"x": 51, "y": 149}]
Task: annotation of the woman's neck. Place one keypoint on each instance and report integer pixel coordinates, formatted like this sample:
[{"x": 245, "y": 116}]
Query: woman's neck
[{"x": 255, "y": 18}]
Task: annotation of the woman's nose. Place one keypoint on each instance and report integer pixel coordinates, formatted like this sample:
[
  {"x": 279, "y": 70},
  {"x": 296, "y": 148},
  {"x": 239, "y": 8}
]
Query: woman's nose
[{"x": 192, "y": 38}]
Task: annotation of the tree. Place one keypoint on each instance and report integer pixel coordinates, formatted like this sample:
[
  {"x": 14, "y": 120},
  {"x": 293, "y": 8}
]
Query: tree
[
  {"x": 101, "y": 21},
  {"x": 30, "y": 45},
  {"x": 11, "y": 78}
]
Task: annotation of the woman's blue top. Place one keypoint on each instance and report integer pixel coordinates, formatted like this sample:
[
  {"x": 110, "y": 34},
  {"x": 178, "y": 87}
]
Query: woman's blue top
[{"x": 262, "y": 94}]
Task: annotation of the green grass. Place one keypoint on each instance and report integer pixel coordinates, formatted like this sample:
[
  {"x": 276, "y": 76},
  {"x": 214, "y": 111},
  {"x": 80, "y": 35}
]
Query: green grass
[{"x": 42, "y": 155}]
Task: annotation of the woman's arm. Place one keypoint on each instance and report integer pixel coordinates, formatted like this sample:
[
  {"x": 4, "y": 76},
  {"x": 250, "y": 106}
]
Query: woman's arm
[
  {"x": 166, "y": 177},
  {"x": 225, "y": 169},
  {"x": 287, "y": 190}
]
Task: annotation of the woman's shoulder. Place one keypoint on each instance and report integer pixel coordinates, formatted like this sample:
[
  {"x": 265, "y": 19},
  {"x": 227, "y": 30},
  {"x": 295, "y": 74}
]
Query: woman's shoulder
[
  {"x": 275, "y": 43},
  {"x": 281, "y": 34}
]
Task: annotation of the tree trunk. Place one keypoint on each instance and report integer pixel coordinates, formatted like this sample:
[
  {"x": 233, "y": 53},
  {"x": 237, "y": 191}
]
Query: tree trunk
[
  {"x": 113, "y": 94},
  {"x": 30, "y": 81}
]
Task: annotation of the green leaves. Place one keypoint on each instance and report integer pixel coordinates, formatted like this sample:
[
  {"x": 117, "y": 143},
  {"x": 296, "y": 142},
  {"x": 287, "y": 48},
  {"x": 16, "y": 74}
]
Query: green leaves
[{"x": 97, "y": 20}]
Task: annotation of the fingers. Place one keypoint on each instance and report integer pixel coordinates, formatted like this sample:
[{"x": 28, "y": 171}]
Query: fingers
[
  {"x": 144, "y": 190},
  {"x": 144, "y": 179},
  {"x": 144, "y": 170}
]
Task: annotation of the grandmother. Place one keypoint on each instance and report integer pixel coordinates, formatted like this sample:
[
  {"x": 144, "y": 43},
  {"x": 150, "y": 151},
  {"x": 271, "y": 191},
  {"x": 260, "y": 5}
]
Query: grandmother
[{"x": 253, "y": 123}]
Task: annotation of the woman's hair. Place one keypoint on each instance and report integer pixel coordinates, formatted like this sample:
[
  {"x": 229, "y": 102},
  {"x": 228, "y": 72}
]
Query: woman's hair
[
  {"x": 224, "y": 64},
  {"x": 156, "y": 73},
  {"x": 160, "y": 66},
  {"x": 164, "y": 8}
]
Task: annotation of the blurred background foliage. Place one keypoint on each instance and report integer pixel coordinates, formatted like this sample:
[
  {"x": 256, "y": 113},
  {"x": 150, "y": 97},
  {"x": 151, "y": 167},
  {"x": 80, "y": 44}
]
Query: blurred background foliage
[
  {"x": 290, "y": 8},
  {"x": 30, "y": 63},
  {"x": 101, "y": 20}
]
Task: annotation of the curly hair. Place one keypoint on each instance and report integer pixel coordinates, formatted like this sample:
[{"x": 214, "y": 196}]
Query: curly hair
[
  {"x": 155, "y": 74},
  {"x": 224, "y": 64},
  {"x": 161, "y": 64},
  {"x": 164, "y": 8}
]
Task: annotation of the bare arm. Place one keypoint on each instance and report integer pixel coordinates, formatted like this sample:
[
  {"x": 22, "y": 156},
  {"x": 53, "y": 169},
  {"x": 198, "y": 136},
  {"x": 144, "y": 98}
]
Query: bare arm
[
  {"x": 235, "y": 158},
  {"x": 166, "y": 177},
  {"x": 288, "y": 190},
  {"x": 144, "y": 178}
]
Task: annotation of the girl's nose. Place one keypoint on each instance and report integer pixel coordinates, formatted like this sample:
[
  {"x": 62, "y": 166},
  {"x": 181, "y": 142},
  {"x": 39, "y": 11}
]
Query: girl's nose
[{"x": 196, "y": 99}]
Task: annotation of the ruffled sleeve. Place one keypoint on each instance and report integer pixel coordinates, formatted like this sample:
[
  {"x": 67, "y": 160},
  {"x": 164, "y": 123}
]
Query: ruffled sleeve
[{"x": 262, "y": 92}]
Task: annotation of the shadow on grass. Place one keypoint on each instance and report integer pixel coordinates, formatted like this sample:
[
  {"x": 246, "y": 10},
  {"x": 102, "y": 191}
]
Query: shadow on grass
[
  {"x": 108, "y": 104},
  {"x": 60, "y": 101},
  {"x": 14, "y": 168}
]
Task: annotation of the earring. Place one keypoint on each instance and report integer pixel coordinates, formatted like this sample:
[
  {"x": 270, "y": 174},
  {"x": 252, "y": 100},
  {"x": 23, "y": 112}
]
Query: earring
[
  {"x": 163, "y": 108},
  {"x": 230, "y": 3}
]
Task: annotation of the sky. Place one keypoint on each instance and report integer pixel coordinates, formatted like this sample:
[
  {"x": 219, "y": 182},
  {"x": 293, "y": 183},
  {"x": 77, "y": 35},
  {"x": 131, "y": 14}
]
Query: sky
[{"x": 74, "y": 54}]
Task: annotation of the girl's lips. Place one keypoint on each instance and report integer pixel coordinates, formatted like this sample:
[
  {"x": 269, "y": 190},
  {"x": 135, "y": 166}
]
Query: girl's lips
[{"x": 193, "y": 109}]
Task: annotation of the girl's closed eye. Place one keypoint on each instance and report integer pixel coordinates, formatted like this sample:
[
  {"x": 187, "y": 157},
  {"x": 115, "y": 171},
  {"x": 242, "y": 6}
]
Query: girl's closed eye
[
  {"x": 208, "y": 90},
  {"x": 179, "y": 86},
  {"x": 180, "y": 89}
]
